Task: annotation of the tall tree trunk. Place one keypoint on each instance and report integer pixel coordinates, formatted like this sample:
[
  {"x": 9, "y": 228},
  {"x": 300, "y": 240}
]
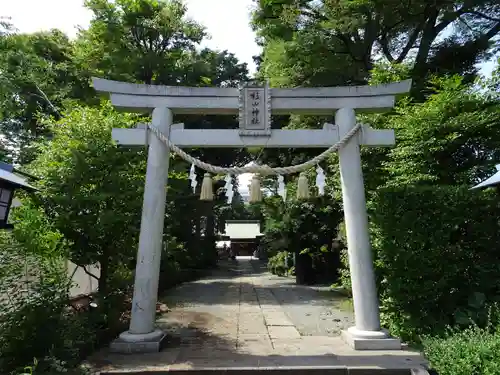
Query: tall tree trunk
[
  {"x": 209, "y": 243},
  {"x": 103, "y": 284},
  {"x": 420, "y": 69}
]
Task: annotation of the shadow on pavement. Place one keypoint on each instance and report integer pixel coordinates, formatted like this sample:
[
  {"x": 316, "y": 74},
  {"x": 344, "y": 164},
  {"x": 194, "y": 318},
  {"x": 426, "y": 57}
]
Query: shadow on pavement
[
  {"x": 208, "y": 328},
  {"x": 225, "y": 287},
  {"x": 190, "y": 348}
]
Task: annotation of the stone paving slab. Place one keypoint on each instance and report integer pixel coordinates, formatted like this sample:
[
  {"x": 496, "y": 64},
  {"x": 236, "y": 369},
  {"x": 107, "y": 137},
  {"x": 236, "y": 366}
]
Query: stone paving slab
[
  {"x": 246, "y": 318},
  {"x": 283, "y": 332},
  {"x": 277, "y": 318},
  {"x": 284, "y": 354},
  {"x": 254, "y": 329}
]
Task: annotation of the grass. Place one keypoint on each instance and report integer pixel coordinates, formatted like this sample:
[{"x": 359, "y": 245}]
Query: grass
[{"x": 346, "y": 305}]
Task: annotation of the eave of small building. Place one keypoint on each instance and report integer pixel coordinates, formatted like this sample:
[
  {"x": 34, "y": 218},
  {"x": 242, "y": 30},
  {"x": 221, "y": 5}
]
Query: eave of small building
[
  {"x": 491, "y": 181},
  {"x": 15, "y": 180}
]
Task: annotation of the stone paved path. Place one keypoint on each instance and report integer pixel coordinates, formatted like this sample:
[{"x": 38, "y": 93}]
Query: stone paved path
[
  {"x": 262, "y": 301},
  {"x": 242, "y": 316},
  {"x": 314, "y": 311}
]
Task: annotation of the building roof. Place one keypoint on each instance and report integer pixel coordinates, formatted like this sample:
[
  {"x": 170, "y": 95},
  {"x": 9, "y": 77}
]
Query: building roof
[
  {"x": 493, "y": 180},
  {"x": 15, "y": 179},
  {"x": 242, "y": 229},
  {"x": 249, "y": 221}
]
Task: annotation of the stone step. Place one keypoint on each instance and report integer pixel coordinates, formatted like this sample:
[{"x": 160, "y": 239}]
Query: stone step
[{"x": 325, "y": 370}]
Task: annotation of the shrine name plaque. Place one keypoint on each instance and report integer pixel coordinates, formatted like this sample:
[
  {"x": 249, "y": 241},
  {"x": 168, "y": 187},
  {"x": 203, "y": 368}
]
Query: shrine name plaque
[{"x": 255, "y": 110}]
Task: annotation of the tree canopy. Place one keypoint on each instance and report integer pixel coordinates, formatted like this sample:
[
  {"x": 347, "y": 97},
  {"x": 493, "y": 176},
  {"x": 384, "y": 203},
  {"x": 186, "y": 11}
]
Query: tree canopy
[{"x": 334, "y": 42}]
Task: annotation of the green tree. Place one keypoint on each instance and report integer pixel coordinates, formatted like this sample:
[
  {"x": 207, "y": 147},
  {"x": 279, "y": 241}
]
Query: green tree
[
  {"x": 91, "y": 189},
  {"x": 319, "y": 41},
  {"x": 153, "y": 42},
  {"x": 451, "y": 139},
  {"x": 146, "y": 41},
  {"x": 38, "y": 75}
]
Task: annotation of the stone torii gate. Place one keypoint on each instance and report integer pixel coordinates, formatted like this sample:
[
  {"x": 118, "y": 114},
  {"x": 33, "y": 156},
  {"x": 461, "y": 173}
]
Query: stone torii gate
[{"x": 255, "y": 130}]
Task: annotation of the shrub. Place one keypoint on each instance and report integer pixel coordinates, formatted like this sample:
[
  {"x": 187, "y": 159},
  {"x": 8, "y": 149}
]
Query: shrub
[
  {"x": 436, "y": 257},
  {"x": 468, "y": 352},
  {"x": 278, "y": 264},
  {"x": 35, "y": 321},
  {"x": 344, "y": 275},
  {"x": 306, "y": 229}
]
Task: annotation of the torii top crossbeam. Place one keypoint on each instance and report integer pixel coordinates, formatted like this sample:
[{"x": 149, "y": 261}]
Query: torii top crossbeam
[
  {"x": 213, "y": 100},
  {"x": 230, "y": 101}
]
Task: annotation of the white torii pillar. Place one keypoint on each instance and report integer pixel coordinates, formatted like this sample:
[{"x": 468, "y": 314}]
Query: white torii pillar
[
  {"x": 366, "y": 334},
  {"x": 142, "y": 321}
]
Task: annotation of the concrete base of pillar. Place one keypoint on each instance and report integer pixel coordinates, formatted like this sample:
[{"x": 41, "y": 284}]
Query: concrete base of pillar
[
  {"x": 128, "y": 343},
  {"x": 370, "y": 340}
]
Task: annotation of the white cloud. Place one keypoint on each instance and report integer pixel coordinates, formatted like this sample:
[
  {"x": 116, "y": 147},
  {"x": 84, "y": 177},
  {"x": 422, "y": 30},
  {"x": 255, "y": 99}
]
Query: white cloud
[
  {"x": 35, "y": 15},
  {"x": 228, "y": 23}
]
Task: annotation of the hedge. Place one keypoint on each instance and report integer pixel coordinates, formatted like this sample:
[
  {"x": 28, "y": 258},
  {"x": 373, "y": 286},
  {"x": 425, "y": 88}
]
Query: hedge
[
  {"x": 436, "y": 257},
  {"x": 468, "y": 352}
]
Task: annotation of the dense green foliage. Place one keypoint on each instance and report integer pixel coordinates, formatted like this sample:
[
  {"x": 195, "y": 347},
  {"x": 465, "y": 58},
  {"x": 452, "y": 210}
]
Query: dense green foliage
[
  {"x": 34, "y": 302},
  {"x": 436, "y": 267},
  {"x": 329, "y": 42},
  {"x": 39, "y": 74},
  {"x": 281, "y": 264},
  {"x": 450, "y": 139},
  {"x": 90, "y": 188},
  {"x": 463, "y": 352},
  {"x": 307, "y": 231}
]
